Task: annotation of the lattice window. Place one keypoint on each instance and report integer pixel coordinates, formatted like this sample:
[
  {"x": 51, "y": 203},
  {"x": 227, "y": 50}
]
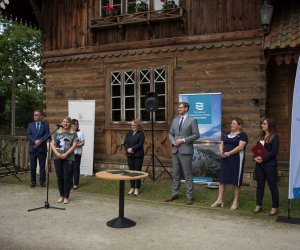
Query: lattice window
[
  {"x": 118, "y": 7},
  {"x": 116, "y": 96},
  {"x": 160, "y": 89},
  {"x": 128, "y": 89},
  {"x": 129, "y": 95}
]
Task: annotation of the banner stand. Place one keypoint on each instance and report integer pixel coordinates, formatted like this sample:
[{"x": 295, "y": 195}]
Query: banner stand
[
  {"x": 294, "y": 175},
  {"x": 288, "y": 219}
]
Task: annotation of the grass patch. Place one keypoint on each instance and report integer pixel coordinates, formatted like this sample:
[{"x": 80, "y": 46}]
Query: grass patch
[{"x": 158, "y": 191}]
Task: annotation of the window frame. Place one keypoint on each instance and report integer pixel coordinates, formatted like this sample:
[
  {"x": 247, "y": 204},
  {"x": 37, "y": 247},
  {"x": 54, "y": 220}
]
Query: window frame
[
  {"x": 153, "y": 5},
  {"x": 136, "y": 80}
]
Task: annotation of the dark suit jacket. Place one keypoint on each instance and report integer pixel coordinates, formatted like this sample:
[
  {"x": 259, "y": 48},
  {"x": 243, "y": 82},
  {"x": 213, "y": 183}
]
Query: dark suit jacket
[
  {"x": 136, "y": 142},
  {"x": 33, "y": 134},
  {"x": 270, "y": 158}
]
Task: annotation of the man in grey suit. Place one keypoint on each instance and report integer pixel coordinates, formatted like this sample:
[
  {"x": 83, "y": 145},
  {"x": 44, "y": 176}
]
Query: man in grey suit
[{"x": 183, "y": 132}]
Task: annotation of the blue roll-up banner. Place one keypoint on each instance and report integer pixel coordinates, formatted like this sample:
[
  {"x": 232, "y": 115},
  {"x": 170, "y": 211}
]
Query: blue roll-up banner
[
  {"x": 294, "y": 178},
  {"x": 206, "y": 108}
]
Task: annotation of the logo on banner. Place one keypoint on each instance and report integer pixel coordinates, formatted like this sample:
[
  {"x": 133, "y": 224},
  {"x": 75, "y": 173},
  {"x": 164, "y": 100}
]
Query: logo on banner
[
  {"x": 296, "y": 192},
  {"x": 206, "y": 109},
  {"x": 199, "y": 106}
]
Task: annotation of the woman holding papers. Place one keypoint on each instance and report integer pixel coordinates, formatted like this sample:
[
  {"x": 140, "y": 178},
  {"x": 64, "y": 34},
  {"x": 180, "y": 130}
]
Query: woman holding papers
[
  {"x": 266, "y": 166},
  {"x": 134, "y": 146},
  {"x": 232, "y": 150}
]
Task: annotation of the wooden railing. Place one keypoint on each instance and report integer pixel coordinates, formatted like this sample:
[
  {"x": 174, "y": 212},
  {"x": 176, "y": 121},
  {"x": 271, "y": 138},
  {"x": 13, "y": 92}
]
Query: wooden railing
[
  {"x": 135, "y": 18},
  {"x": 14, "y": 153}
]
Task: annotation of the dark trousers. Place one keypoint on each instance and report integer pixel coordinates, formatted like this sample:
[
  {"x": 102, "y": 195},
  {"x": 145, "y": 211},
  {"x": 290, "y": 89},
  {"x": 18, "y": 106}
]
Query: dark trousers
[
  {"x": 135, "y": 163},
  {"x": 41, "y": 157},
  {"x": 63, "y": 174},
  {"x": 75, "y": 170},
  {"x": 268, "y": 174}
]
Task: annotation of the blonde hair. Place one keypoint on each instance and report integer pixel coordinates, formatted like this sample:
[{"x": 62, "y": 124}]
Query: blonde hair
[
  {"x": 139, "y": 124},
  {"x": 68, "y": 118}
]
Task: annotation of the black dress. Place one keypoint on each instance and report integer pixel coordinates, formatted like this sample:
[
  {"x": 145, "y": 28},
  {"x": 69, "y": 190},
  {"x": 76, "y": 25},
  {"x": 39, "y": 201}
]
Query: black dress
[
  {"x": 232, "y": 167},
  {"x": 135, "y": 159}
]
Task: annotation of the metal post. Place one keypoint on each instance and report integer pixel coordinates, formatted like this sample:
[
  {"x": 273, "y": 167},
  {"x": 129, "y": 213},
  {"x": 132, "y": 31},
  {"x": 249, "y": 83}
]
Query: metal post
[
  {"x": 289, "y": 209},
  {"x": 13, "y": 99},
  {"x": 153, "y": 170}
]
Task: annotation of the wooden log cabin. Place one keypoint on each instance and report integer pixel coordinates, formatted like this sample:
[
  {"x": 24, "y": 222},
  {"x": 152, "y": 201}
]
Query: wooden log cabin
[{"x": 198, "y": 46}]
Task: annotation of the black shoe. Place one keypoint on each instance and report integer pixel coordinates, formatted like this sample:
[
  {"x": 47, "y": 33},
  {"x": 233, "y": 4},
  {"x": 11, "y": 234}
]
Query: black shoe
[
  {"x": 172, "y": 198},
  {"x": 43, "y": 185},
  {"x": 32, "y": 185}
]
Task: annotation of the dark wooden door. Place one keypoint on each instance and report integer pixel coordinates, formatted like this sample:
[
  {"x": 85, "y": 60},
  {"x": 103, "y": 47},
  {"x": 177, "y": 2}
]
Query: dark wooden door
[{"x": 281, "y": 80}]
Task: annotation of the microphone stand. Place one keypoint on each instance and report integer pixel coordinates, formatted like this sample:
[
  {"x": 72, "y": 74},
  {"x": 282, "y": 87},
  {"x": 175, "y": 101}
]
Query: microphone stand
[{"x": 47, "y": 205}]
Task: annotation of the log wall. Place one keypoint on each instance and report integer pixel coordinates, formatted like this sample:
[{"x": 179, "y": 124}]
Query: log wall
[
  {"x": 67, "y": 24},
  {"x": 235, "y": 70}
]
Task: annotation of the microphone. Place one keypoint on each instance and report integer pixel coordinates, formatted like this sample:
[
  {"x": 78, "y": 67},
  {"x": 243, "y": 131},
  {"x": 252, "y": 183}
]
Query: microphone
[{"x": 59, "y": 126}]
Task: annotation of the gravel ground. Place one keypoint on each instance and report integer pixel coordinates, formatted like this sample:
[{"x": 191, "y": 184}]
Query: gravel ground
[{"x": 159, "y": 225}]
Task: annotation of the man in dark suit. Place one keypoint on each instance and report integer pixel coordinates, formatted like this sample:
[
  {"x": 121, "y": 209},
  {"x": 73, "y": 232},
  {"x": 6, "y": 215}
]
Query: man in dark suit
[
  {"x": 37, "y": 131},
  {"x": 183, "y": 132}
]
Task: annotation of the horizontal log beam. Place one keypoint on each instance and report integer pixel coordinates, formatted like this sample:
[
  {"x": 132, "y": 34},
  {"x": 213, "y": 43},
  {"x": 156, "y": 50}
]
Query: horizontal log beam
[{"x": 175, "y": 41}]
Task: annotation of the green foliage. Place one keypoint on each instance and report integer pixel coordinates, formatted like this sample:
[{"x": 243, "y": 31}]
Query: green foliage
[
  {"x": 169, "y": 4},
  {"x": 141, "y": 6},
  {"x": 20, "y": 64}
]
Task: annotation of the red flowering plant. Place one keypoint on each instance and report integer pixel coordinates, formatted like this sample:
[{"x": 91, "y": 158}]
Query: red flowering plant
[
  {"x": 109, "y": 10},
  {"x": 168, "y": 4}
]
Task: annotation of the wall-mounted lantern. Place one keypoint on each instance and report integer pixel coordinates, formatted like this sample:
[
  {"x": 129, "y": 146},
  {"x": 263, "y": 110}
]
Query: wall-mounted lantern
[{"x": 266, "y": 12}]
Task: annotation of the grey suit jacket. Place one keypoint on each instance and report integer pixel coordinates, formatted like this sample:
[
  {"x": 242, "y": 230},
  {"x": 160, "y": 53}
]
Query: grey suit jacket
[{"x": 189, "y": 131}]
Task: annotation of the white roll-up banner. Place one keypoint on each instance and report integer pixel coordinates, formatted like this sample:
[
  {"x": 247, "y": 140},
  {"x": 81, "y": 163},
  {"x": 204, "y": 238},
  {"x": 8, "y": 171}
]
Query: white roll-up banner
[
  {"x": 84, "y": 112},
  {"x": 294, "y": 178}
]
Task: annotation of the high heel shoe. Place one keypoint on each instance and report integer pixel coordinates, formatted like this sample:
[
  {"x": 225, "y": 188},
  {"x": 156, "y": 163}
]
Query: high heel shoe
[
  {"x": 257, "y": 210},
  {"x": 272, "y": 213},
  {"x": 60, "y": 200},
  {"x": 217, "y": 204},
  {"x": 136, "y": 192},
  {"x": 234, "y": 206},
  {"x": 131, "y": 191}
]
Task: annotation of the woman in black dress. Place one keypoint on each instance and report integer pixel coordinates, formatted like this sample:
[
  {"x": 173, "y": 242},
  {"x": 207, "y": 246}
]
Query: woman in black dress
[
  {"x": 232, "y": 149},
  {"x": 266, "y": 166},
  {"x": 134, "y": 145}
]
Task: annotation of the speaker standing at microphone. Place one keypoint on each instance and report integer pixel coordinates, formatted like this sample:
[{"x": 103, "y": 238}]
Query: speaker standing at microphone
[{"x": 63, "y": 146}]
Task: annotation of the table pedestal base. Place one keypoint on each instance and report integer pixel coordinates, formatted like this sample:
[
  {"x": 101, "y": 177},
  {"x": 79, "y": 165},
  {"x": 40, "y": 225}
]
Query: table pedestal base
[{"x": 121, "y": 223}]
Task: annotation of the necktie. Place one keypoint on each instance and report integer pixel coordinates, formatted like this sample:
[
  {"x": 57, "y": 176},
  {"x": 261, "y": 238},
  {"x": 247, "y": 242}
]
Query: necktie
[
  {"x": 181, "y": 121},
  {"x": 38, "y": 126}
]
